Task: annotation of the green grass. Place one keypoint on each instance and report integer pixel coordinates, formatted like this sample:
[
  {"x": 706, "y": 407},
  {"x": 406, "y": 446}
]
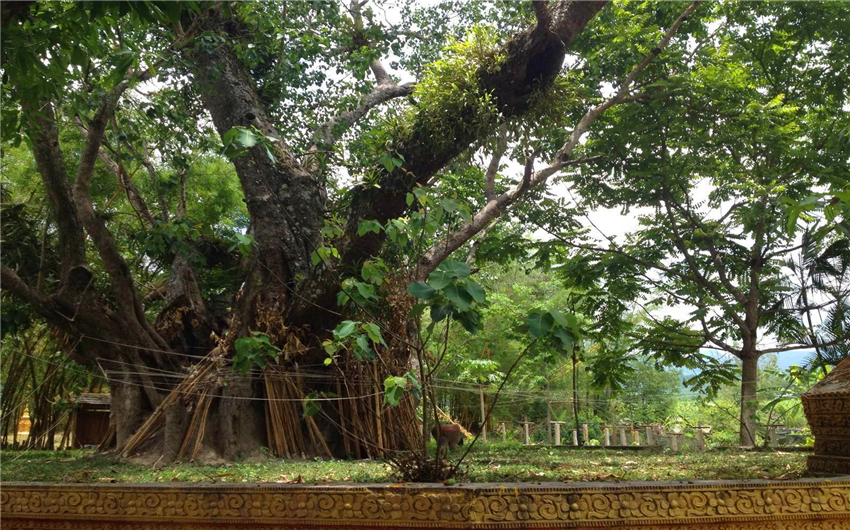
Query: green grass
[{"x": 491, "y": 463}]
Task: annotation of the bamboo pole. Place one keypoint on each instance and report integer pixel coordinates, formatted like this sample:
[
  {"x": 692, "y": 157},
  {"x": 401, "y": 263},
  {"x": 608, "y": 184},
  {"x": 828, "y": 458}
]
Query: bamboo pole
[
  {"x": 341, "y": 408},
  {"x": 378, "y": 409},
  {"x": 483, "y": 414}
]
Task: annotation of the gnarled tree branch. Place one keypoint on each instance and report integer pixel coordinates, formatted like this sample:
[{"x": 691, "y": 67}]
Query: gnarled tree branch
[{"x": 495, "y": 207}]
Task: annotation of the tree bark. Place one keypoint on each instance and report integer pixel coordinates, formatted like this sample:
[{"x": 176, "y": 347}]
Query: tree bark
[
  {"x": 749, "y": 398},
  {"x": 285, "y": 202},
  {"x": 533, "y": 59}
]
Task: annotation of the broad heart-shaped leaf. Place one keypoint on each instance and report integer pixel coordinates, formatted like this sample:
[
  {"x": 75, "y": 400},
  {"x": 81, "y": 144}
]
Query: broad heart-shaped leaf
[
  {"x": 363, "y": 348},
  {"x": 439, "y": 312},
  {"x": 439, "y": 279},
  {"x": 344, "y": 329},
  {"x": 559, "y": 317},
  {"x": 573, "y": 324},
  {"x": 421, "y": 290},
  {"x": 369, "y": 226},
  {"x": 564, "y": 336},
  {"x": 246, "y": 138},
  {"x": 393, "y": 395},
  {"x": 457, "y": 269},
  {"x": 539, "y": 323},
  {"x": 476, "y": 291},
  {"x": 469, "y": 320},
  {"x": 366, "y": 291},
  {"x": 450, "y": 205},
  {"x": 459, "y": 297},
  {"x": 374, "y": 333},
  {"x": 387, "y": 161}
]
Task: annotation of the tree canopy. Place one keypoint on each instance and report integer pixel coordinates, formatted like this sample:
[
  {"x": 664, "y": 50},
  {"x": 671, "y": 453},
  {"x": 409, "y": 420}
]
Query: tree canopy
[{"x": 286, "y": 201}]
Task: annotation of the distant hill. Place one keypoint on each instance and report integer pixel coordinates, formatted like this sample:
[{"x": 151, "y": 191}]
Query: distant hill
[{"x": 784, "y": 359}]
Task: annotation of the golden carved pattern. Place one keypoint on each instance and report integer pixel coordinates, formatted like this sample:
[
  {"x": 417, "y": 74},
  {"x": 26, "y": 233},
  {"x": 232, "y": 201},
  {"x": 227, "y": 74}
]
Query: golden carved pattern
[
  {"x": 833, "y": 403},
  {"x": 25, "y": 524},
  {"x": 649, "y": 506},
  {"x": 834, "y": 465}
]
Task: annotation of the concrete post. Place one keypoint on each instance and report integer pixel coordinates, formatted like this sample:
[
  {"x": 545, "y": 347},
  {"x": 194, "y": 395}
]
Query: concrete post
[
  {"x": 557, "y": 425},
  {"x": 584, "y": 435},
  {"x": 622, "y": 431},
  {"x": 607, "y": 441},
  {"x": 504, "y": 430},
  {"x": 771, "y": 434},
  {"x": 700, "y": 437},
  {"x": 636, "y": 436},
  {"x": 575, "y": 437},
  {"x": 526, "y": 424},
  {"x": 650, "y": 439},
  {"x": 675, "y": 441}
]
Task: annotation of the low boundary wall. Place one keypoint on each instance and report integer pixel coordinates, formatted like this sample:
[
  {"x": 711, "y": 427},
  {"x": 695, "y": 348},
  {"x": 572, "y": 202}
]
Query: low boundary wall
[{"x": 808, "y": 504}]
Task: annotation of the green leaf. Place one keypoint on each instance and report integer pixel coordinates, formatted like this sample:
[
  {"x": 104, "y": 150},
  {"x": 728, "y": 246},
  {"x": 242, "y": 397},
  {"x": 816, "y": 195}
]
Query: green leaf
[
  {"x": 373, "y": 272},
  {"x": 366, "y": 291},
  {"x": 364, "y": 349},
  {"x": 459, "y": 297},
  {"x": 469, "y": 320},
  {"x": 421, "y": 290},
  {"x": 369, "y": 226},
  {"x": 311, "y": 407},
  {"x": 374, "y": 333},
  {"x": 387, "y": 161},
  {"x": 439, "y": 279},
  {"x": 572, "y": 321},
  {"x": 393, "y": 393},
  {"x": 342, "y": 298},
  {"x": 564, "y": 336},
  {"x": 416, "y": 310},
  {"x": 120, "y": 70},
  {"x": 450, "y": 205},
  {"x": 439, "y": 312},
  {"x": 78, "y": 56},
  {"x": 539, "y": 323},
  {"x": 344, "y": 329},
  {"x": 559, "y": 317},
  {"x": 246, "y": 138},
  {"x": 476, "y": 291},
  {"x": 457, "y": 269}
]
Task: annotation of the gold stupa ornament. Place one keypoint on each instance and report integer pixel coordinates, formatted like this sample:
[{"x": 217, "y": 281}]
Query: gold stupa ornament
[{"x": 827, "y": 408}]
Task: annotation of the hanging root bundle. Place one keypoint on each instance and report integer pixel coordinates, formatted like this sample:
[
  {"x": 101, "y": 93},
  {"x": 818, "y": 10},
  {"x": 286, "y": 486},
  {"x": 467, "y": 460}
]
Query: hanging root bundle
[{"x": 187, "y": 389}]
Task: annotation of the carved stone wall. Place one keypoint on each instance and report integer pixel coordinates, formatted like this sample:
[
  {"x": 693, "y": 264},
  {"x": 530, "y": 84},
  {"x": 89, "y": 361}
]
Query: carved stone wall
[
  {"x": 827, "y": 408},
  {"x": 715, "y": 505}
]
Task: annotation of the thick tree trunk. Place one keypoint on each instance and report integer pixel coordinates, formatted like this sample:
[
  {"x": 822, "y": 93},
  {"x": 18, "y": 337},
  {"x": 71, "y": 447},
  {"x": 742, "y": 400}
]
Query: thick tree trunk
[
  {"x": 128, "y": 407},
  {"x": 241, "y": 428},
  {"x": 286, "y": 203},
  {"x": 749, "y": 398}
]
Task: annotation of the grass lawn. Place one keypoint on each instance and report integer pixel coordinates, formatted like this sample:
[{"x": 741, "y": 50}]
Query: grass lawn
[{"x": 491, "y": 463}]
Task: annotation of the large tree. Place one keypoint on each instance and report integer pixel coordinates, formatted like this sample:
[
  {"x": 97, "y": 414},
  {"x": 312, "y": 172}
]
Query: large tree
[
  {"x": 348, "y": 180},
  {"x": 710, "y": 159}
]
